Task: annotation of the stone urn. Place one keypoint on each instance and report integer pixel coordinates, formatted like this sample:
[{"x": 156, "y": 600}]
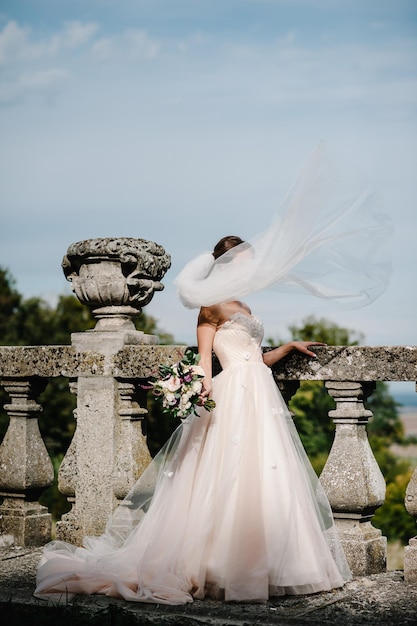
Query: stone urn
[{"x": 115, "y": 277}]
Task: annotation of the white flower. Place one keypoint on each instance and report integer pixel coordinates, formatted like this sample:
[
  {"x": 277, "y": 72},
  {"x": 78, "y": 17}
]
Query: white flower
[
  {"x": 196, "y": 387},
  {"x": 173, "y": 383},
  {"x": 170, "y": 398},
  {"x": 198, "y": 370},
  {"x": 185, "y": 400}
]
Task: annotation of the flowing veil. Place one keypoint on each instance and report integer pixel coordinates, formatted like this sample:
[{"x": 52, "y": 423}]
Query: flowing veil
[
  {"x": 133, "y": 507},
  {"x": 328, "y": 238}
]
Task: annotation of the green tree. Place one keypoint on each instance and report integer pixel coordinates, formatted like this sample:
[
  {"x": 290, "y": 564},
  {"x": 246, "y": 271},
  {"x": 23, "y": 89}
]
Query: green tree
[
  {"x": 385, "y": 423},
  {"x": 10, "y": 301},
  {"x": 392, "y": 518},
  {"x": 33, "y": 323},
  {"x": 323, "y": 330}
]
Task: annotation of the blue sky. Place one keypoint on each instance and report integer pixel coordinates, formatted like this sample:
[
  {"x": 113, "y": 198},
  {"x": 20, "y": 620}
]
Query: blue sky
[{"x": 181, "y": 122}]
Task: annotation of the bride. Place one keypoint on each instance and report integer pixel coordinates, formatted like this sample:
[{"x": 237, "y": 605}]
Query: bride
[
  {"x": 237, "y": 513},
  {"x": 230, "y": 508}
]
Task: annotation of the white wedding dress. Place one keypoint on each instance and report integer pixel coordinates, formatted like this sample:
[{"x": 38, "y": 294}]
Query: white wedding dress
[{"x": 229, "y": 509}]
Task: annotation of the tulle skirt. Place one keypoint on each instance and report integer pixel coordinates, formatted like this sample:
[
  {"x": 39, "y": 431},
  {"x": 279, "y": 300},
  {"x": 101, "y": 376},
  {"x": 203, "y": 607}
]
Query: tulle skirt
[{"x": 229, "y": 509}]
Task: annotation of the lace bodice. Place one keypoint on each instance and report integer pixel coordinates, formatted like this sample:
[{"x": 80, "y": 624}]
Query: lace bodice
[
  {"x": 252, "y": 323},
  {"x": 239, "y": 340}
]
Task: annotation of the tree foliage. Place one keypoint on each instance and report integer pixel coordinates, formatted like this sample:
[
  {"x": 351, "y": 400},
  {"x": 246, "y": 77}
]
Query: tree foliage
[
  {"x": 10, "y": 301},
  {"x": 323, "y": 330}
]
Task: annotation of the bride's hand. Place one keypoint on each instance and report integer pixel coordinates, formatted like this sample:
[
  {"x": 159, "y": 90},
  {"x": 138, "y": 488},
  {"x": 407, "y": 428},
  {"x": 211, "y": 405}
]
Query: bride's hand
[
  {"x": 303, "y": 347},
  {"x": 207, "y": 388}
]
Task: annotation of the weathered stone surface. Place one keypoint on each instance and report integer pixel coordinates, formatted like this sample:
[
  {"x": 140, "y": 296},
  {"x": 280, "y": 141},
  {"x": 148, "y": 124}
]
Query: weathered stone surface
[
  {"x": 364, "y": 546},
  {"x": 411, "y": 495},
  {"x": 361, "y": 363},
  {"x": 353, "y": 480},
  {"x": 143, "y": 361},
  {"x": 410, "y": 561},
  {"x": 115, "y": 277},
  {"x": 338, "y": 363},
  {"x": 377, "y": 600},
  {"x": 25, "y": 467},
  {"x": 25, "y": 523},
  {"x": 48, "y": 361}
]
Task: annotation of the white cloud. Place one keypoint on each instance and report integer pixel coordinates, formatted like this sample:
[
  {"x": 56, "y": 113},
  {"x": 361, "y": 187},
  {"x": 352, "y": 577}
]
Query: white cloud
[
  {"x": 43, "y": 83},
  {"x": 139, "y": 44},
  {"x": 104, "y": 49},
  {"x": 15, "y": 45},
  {"x": 129, "y": 45},
  {"x": 20, "y": 45},
  {"x": 27, "y": 59},
  {"x": 76, "y": 34}
]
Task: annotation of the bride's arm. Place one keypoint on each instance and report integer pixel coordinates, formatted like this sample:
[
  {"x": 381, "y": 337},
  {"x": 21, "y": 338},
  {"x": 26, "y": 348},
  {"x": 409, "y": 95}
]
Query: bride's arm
[
  {"x": 206, "y": 329},
  {"x": 275, "y": 355}
]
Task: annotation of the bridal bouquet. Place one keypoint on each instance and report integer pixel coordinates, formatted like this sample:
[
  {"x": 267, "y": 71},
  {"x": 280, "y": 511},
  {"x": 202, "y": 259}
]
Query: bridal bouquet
[{"x": 180, "y": 385}]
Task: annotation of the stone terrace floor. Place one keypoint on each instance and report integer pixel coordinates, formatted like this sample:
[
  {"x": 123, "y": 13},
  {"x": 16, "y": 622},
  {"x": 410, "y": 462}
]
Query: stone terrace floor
[{"x": 378, "y": 600}]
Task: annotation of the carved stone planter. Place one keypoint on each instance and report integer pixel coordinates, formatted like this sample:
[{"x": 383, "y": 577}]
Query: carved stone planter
[{"x": 115, "y": 277}]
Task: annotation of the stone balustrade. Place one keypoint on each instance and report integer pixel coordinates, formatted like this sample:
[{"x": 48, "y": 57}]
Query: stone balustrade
[
  {"x": 107, "y": 368},
  {"x": 109, "y": 451}
]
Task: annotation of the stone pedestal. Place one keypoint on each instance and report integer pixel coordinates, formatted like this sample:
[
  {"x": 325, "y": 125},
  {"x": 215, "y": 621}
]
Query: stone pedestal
[
  {"x": 25, "y": 522},
  {"x": 363, "y": 544},
  {"x": 114, "y": 278}
]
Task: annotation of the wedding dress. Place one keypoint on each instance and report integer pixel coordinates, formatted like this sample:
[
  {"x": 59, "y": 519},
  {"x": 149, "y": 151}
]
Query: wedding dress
[{"x": 236, "y": 512}]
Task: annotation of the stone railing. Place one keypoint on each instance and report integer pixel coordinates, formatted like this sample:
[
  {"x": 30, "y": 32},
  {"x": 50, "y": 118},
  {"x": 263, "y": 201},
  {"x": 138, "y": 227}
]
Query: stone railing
[{"x": 107, "y": 368}]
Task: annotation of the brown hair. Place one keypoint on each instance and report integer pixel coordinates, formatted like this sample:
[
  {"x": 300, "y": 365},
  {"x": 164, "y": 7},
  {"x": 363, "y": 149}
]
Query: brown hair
[{"x": 225, "y": 244}]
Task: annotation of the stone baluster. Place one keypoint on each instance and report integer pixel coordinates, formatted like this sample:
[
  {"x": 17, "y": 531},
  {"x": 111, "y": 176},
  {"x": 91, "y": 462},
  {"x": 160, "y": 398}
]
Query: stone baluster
[
  {"x": 132, "y": 452},
  {"x": 25, "y": 467},
  {"x": 353, "y": 481},
  {"x": 93, "y": 463},
  {"x": 67, "y": 479},
  {"x": 410, "y": 551}
]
